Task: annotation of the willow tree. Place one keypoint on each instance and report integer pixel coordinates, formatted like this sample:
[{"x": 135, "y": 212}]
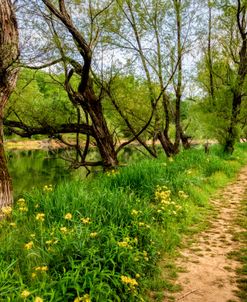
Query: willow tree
[
  {"x": 8, "y": 76},
  {"x": 155, "y": 33}
]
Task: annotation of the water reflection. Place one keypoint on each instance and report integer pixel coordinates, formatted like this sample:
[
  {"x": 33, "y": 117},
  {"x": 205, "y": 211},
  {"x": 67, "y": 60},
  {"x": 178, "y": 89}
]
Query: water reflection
[{"x": 37, "y": 168}]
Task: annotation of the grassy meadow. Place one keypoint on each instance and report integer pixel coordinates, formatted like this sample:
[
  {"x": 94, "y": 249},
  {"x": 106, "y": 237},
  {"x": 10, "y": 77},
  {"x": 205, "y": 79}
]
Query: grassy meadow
[{"x": 102, "y": 239}]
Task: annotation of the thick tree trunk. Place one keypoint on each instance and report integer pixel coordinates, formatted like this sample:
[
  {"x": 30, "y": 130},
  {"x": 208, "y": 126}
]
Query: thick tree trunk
[
  {"x": 101, "y": 131},
  {"x": 8, "y": 75},
  {"x": 103, "y": 138},
  {"x": 169, "y": 148}
]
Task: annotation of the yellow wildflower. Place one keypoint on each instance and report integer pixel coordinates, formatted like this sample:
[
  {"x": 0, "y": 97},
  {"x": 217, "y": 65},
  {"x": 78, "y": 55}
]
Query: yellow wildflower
[
  {"x": 21, "y": 201},
  {"x": 86, "y": 220},
  {"x": 6, "y": 210},
  {"x": 123, "y": 244},
  {"x": 13, "y": 224},
  {"x": 93, "y": 235},
  {"x": 78, "y": 299},
  {"x": 86, "y": 298},
  {"x": 134, "y": 212},
  {"x": 23, "y": 209},
  {"x": 33, "y": 275},
  {"x": 68, "y": 216},
  {"x": 47, "y": 188},
  {"x": 40, "y": 217},
  {"x": 29, "y": 245},
  {"x": 64, "y": 230},
  {"x": 138, "y": 276},
  {"x": 41, "y": 268},
  {"x": 25, "y": 294},
  {"x": 129, "y": 281},
  {"x": 38, "y": 299}
]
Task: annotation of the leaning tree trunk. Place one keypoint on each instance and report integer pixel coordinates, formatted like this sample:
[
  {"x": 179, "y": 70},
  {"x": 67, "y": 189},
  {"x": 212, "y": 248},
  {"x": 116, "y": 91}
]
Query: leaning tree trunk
[{"x": 8, "y": 76}]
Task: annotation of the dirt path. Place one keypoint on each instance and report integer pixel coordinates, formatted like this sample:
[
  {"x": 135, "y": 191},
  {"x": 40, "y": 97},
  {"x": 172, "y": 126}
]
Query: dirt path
[{"x": 209, "y": 275}]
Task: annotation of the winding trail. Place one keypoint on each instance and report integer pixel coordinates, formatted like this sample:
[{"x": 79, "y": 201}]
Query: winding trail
[{"x": 209, "y": 273}]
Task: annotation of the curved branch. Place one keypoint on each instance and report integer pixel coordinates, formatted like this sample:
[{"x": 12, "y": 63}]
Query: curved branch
[{"x": 28, "y": 131}]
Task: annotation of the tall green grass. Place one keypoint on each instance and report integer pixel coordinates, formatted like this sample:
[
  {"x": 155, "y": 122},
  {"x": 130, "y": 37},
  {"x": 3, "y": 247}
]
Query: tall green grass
[{"x": 120, "y": 224}]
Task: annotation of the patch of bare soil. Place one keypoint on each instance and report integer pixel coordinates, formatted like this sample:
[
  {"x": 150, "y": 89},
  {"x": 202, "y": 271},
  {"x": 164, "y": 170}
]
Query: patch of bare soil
[{"x": 209, "y": 273}]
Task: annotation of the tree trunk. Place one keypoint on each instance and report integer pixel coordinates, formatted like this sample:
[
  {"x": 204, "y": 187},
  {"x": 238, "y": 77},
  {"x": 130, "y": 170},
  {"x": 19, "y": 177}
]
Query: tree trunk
[
  {"x": 101, "y": 131},
  {"x": 185, "y": 139},
  {"x": 240, "y": 81},
  {"x": 9, "y": 52},
  {"x": 169, "y": 148},
  {"x": 232, "y": 130},
  {"x": 6, "y": 198}
]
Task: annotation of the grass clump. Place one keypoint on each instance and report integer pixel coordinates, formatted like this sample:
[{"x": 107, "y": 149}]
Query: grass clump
[{"x": 101, "y": 240}]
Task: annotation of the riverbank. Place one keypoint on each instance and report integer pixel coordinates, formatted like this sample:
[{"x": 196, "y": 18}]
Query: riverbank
[
  {"x": 25, "y": 145},
  {"x": 103, "y": 239},
  {"x": 53, "y": 144}
]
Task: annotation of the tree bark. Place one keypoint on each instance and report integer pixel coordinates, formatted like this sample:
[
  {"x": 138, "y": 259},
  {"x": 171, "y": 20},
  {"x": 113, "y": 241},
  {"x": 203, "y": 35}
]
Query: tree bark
[
  {"x": 101, "y": 131},
  {"x": 240, "y": 80},
  {"x": 6, "y": 198},
  {"x": 9, "y": 53}
]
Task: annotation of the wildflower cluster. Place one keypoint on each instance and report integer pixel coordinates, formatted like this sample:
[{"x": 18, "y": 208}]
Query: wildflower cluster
[
  {"x": 25, "y": 293},
  {"x": 112, "y": 173},
  {"x": 85, "y": 298},
  {"x": 86, "y": 220},
  {"x": 22, "y": 205},
  {"x": 40, "y": 217},
  {"x": 6, "y": 210},
  {"x": 41, "y": 268},
  {"x": 48, "y": 188},
  {"x": 128, "y": 242},
  {"x": 137, "y": 216},
  {"x": 129, "y": 281},
  {"x": 93, "y": 234},
  {"x": 135, "y": 212},
  {"x": 64, "y": 230},
  {"x": 29, "y": 245},
  {"x": 165, "y": 205}
]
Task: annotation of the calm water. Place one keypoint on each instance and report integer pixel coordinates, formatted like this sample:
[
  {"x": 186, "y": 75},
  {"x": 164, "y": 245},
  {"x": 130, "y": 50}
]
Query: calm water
[
  {"x": 36, "y": 168},
  {"x": 30, "y": 169}
]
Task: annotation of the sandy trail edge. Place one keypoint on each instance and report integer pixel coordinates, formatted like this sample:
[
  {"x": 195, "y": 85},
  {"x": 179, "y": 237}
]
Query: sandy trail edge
[{"x": 210, "y": 276}]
